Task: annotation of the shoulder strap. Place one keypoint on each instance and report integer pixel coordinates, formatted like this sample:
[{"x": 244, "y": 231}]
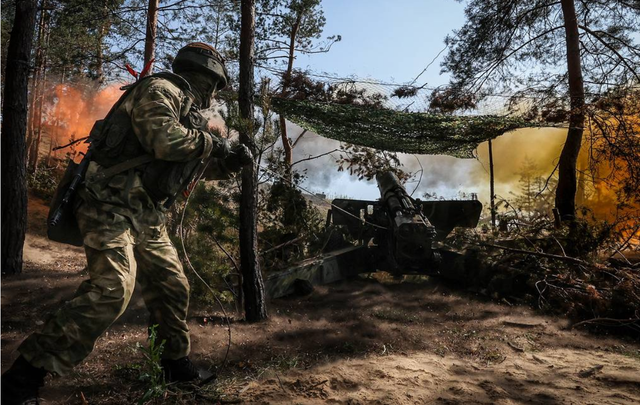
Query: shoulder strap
[
  {"x": 182, "y": 85},
  {"x": 109, "y": 172},
  {"x": 174, "y": 78}
]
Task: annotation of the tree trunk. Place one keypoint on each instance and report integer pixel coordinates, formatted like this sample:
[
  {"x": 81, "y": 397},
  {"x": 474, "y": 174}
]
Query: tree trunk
[
  {"x": 104, "y": 28},
  {"x": 53, "y": 134},
  {"x": 150, "y": 38},
  {"x": 566, "y": 191},
  {"x": 35, "y": 84},
  {"x": 252, "y": 284},
  {"x": 37, "y": 122},
  {"x": 41, "y": 62},
  {"x": 219, "y": 9},
  {"x": 14, "y": 127},
  {"x": 32, "y": 115},
  {"x": 580, "y": 194},
  {"x": 286, "y": 142}
]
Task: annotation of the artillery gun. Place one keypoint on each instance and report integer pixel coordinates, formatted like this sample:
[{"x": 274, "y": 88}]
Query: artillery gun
[{"x": 397, "y": 234}]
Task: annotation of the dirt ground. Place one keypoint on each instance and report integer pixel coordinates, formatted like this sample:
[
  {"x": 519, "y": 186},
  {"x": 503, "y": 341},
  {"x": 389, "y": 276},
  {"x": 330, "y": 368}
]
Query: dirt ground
[{"x": 358, "y": 342}]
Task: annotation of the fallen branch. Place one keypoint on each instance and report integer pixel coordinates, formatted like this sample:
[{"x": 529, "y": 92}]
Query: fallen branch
[
  {"x": 320, "y": 383},
  {"x": 590, "y": 371},
  {"x": 620, "y": 322},
  {"x": 280, "y": 382},
  {"x": 541, "y": 254},
  {"x": 623, "y": 256},
  {"x": 230, "y": 401},
  {"x": 564, "y": 254},
  {"x": 298, "y": 138},
  {"x": 521, "y": 325},
  {"x": 516, "y": 348},
  {"x": 70, "y": 143},
  {"x": 287, "y": 243}
]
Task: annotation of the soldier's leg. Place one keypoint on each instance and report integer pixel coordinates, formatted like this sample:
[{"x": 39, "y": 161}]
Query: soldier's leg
[
  {"x": 165, "y": 290},
  {"x": 69, "y": 335}
]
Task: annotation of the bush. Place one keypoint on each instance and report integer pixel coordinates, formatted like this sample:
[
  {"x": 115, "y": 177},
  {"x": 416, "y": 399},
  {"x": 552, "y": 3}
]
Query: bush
[
  {"x": 211, "y": 216},
  {"x": 286, "y": 215},
  {"x": 43, "y": 181}
]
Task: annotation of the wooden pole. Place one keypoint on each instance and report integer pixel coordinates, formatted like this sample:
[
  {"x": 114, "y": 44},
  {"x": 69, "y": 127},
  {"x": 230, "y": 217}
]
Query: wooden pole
[{"x": 492, "y": 187}]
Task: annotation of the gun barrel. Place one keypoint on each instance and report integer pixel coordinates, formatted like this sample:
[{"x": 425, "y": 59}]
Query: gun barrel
[{"x": 393, "y": 194}]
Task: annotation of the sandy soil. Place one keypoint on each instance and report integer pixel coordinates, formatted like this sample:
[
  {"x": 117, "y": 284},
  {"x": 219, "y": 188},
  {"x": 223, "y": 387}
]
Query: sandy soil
[{"x": 358, "y": 342}]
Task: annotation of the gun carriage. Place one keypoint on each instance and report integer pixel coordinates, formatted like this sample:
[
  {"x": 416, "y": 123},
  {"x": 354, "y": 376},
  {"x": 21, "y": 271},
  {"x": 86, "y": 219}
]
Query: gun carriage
[{"x": 397, "y": 234}]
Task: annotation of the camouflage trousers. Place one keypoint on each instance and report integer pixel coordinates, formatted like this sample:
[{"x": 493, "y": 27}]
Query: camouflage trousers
[{"x": 114, "y": 266}]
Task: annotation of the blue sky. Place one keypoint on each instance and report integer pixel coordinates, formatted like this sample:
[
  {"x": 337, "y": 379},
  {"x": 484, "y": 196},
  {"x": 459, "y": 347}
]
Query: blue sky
[
  {"x": 393, "y": 41},
  {"x": 389, "y": 41},
  {"x": 386, "y": 40}
]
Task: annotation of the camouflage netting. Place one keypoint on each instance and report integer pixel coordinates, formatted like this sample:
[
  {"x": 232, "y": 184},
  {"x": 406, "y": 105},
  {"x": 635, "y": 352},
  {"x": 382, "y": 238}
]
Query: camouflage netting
[{"x": 406, "y": 132}]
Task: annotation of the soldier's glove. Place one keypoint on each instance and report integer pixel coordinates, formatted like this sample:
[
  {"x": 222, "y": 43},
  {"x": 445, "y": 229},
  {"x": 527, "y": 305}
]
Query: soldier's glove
[
  {"x": 240, "y": 156},
  {"x": 220, "y": 149}
]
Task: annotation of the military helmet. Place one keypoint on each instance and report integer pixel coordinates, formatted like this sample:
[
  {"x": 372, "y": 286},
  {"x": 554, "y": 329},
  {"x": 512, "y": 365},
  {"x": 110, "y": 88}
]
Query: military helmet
[{"x": 203, "y": 58}]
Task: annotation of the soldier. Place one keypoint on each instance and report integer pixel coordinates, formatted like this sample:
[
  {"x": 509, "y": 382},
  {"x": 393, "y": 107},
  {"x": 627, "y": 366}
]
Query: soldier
[{"x": 145, "y": 152}]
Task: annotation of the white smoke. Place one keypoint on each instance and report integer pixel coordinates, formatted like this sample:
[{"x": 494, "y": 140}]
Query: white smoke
[{"x": 446, "y": 176}]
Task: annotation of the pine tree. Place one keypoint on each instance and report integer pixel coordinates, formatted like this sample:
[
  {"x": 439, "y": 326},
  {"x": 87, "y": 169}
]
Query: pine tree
[
  {"x": 252, "y": 283},
  {"x": 554, "y": 54},
  {"x": 14, "y": 126}
]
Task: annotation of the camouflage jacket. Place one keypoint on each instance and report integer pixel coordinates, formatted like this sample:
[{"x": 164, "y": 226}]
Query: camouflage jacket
[{"x": 105, "y": 209}]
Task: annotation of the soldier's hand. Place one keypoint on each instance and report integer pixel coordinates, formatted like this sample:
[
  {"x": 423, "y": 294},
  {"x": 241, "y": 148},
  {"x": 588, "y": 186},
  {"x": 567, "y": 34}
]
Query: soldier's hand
[
  {"x": 240, "y": 156},
  {"x": 244, "y": 154},
  {"x": 220, "y": 148}
]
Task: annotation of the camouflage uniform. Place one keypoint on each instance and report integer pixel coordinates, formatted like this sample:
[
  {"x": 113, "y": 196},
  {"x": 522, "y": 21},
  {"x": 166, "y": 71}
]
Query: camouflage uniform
[{"x": 125, "y": 238}]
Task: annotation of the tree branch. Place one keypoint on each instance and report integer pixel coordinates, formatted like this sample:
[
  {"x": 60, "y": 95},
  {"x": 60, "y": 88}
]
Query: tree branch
[
  {"x": 497, "y": 63},
  {"x": 612, "y": 49},
  {"x": 298, "y": 138},
  {"x": 314, "y": 157}
]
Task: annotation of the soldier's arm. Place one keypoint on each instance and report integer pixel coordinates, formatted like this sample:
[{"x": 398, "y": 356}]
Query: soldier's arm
[
  {"x": 222, "y": 169},
  {"x": 216, "y": 170},
  {"x": 155, "y": 118}
]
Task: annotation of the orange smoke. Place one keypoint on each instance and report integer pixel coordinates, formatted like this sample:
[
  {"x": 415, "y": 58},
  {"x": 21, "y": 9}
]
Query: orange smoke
[
  {"x": 74, "y": 110},
  {"x": 598, "y": 191}
]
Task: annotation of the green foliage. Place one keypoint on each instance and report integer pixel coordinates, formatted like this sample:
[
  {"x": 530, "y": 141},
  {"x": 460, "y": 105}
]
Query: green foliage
[
  {"x": 43, "y": 181},
  {"x": 96, "y": 39},
  {"x": 588, "y": 235},
  {"x": 8, "y": 12},
  {"x": 615, "y": 143},
  {"x": 205, "y": 21},
  {"x": 151, "y": 373},
  {"x": 211, "y": 219},
  {"x": 302, "y": 87},
  {"x": 365, "y": 163},
  {"x": 286, "y": 215},
  {"x": 520, "y": 48},
  {"x": 395, "y": 131},
  {"x": 74, "y": 41},
  {"x": 276, "y": 20}
]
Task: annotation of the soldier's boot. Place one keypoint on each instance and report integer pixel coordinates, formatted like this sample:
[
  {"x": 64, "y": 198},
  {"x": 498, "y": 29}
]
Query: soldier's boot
[
  {"x": 181, "y": 370},
  {"x": 21, "y": 382}
]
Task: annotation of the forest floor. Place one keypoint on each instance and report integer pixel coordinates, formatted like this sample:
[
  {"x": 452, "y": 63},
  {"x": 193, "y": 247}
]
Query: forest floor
[{"x": 357, "y": 342}]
